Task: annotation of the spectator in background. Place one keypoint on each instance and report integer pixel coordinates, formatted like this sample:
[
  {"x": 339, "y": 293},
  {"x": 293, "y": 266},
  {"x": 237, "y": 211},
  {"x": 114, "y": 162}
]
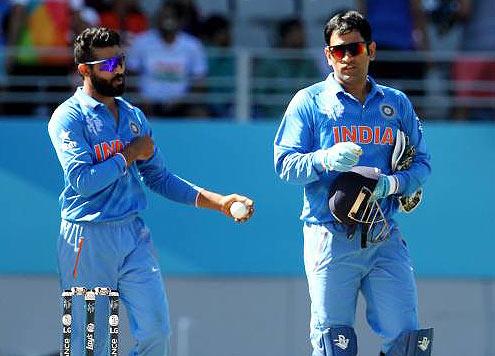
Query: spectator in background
[
  {"x": 191, "y": 19},
  {"x": 41, "y": 31},
  {"x": 86, "y": 17},
  {"x": 4, "y": 14},
  {"x": 221, "y": 64},
  {"x": 126, "y": 17},
  {"x": 282, "y": 77},
  {"x": 169, "y": 63},
  {"x": 398, "y": 25},
  {"x": 36, "y": 26},
  {"x": 216, "y": 31},
  {"x": 474, "y": 72},
  {"x": 191, "y": 16}
]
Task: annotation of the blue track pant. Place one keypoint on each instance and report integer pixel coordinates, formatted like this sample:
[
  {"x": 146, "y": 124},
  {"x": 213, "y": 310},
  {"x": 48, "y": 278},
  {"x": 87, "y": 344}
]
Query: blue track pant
[{"x": 338, "y": 268}]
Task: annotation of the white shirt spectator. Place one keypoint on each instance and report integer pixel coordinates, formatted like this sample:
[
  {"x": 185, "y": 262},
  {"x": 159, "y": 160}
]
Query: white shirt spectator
[{"x": 166, "y": 70}]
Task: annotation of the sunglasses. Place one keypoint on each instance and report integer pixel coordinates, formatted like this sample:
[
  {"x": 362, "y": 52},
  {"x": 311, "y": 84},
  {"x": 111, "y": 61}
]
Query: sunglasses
[
  {"x": 352, "y": 49},
  {"x": 109, "y": 64}
]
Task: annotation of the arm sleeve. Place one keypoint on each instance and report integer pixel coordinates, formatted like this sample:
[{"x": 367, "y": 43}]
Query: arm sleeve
[
  {"x": 74, "y": 154},
  {"x": 416, "y": 175},
  {"x": 294, "y": 162},
  {"x": 156, "y": 176}
]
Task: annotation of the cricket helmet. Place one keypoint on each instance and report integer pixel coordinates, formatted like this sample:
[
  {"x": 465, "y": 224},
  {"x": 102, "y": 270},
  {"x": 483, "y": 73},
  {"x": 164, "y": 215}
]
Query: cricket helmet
[{"x": 350, "y": 202}]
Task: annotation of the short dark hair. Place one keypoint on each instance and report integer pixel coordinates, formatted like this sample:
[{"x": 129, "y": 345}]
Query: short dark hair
[
  {"x": 178, "y": 9},
  {"x": 345, "y": 22},
  {"x": 214, "y": 24},
  {"x": 91, "y": 38},
  {"x": 287, "y": 25}
]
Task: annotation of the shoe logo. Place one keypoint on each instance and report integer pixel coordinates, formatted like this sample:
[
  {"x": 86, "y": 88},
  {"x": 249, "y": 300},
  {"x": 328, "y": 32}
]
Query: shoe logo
[
  {"x": 423, "y": 344},
  {"x": 342, "y": 342},
  {"x": 154, "y": 269}
]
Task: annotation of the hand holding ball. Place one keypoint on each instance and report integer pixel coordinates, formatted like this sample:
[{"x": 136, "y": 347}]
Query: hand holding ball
[
  {"x": 235, "y": 206},
  {"x": 238, "y": 210}
]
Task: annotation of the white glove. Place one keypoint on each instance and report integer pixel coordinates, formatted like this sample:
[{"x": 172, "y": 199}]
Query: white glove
[{"x": 341, "y": 157}]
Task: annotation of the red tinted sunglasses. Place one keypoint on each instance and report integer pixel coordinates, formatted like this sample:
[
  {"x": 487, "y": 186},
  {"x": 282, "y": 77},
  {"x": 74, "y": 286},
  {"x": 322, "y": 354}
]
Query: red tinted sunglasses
[
  {"x": 109, "y": 64},
  {"x": 352, "y": 49}
]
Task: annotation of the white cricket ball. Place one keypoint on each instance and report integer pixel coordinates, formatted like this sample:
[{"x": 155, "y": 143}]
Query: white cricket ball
[{"x": 238, "y": 210}]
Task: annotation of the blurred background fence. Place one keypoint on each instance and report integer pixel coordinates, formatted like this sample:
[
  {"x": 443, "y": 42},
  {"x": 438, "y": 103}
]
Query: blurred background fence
[{"x": 254, "y": 84}]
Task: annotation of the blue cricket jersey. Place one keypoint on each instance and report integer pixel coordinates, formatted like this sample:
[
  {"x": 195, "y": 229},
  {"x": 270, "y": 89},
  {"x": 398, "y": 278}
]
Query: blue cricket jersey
[
  {"x": 324, "y": 114},
  {"x": 98, "y": 186}
]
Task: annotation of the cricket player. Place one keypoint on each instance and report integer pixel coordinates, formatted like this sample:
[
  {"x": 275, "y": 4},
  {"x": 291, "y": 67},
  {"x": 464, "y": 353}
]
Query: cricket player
[
  {"x": 338, "y": 135},
  {"x": 106, "y": 150}
]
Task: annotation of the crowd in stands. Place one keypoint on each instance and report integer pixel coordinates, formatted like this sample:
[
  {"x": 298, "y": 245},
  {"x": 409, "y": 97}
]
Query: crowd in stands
[{"x": 182, "y": 62}]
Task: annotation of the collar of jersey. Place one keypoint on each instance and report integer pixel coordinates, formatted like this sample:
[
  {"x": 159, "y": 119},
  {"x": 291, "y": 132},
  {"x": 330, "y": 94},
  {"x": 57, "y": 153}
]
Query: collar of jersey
[
  {"x": 334, "y": 87},
  {"x": 92, "y": 103}
]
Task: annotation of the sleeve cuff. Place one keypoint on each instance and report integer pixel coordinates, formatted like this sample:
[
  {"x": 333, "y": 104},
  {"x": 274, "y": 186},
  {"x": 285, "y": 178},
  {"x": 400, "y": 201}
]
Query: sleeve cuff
[
  {"x": 196, "y": 201},
  {"x": 122, "y": 162}
]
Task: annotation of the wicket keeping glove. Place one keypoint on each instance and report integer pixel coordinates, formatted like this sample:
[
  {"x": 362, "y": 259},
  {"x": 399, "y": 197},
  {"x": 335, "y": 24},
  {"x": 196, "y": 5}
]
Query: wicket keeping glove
[
  {"x": 385, "y": 186},
  {"x": 341, "y": 157},
  {"x": 402, "y": 159}
]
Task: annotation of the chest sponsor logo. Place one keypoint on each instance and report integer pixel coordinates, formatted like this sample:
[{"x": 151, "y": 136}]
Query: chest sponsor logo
[
  {"x": 104, "y": 150},
  {"x": 364, "y": 134}
]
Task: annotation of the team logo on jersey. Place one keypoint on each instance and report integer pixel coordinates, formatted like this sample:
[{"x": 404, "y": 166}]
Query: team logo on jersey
[
  {"x": 94, "y": 124},
  {"x": 387, "y": 110},
  {"x": 134, "y": 128}
]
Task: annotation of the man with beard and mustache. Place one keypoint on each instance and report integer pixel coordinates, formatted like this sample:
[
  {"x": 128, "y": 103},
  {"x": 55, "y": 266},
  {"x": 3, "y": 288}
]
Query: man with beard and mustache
[{"x": 105, "y": 147}]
